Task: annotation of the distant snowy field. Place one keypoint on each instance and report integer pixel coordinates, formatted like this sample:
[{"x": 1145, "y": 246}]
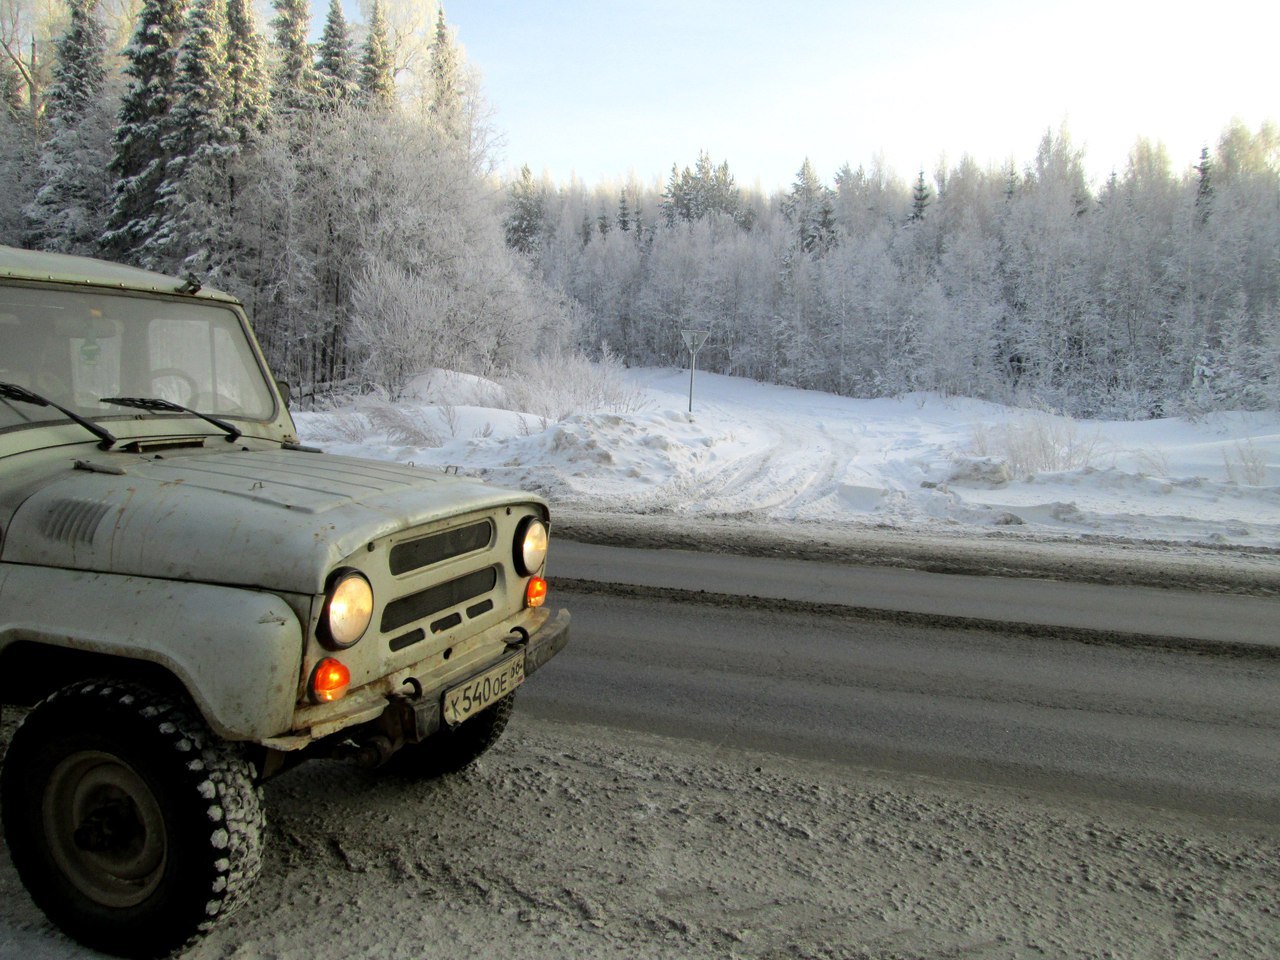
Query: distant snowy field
[{"x": 775, "y": 454}]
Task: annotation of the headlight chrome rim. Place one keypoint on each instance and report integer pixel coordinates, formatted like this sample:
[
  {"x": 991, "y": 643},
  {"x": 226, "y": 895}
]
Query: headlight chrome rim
[
  {"x": 530, "y": 548},
  {"x": 348, "y": 610}
]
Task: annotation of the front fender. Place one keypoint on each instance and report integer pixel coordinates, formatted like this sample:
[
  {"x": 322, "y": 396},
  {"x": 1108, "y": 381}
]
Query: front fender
[{"x": 237, "y": 652}]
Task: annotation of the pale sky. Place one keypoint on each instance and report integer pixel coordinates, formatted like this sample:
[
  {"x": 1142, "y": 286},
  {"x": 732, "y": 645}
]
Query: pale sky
[{"x": 602, "y": 89}]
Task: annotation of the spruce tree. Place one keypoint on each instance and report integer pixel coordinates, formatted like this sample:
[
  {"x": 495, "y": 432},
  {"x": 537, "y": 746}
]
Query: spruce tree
[
  {"x": 295, "y": 85},
  {"x": 810, "y": 206},
  {"x": 693, "y": 194},
  {"x": 71, "y": 204},
  {"x": 140, "y": 158},
  {"x": 1204, "y": 186},
  {"x": 920, "y": 199},
  {"x": 249, "y": 97},
  {"x": 10, "y": 88},
  {"x": 624, "y": 212},
  {"x": 198, "y": 143},
  {"x": 377, "y": 73},
  {"x": 334, "y": 60},
  {"x": 524, "y": 224},
  {"x": 446, "y": 82}
]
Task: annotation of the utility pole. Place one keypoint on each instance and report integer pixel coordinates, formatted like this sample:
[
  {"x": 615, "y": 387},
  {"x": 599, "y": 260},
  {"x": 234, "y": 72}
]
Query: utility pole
[{"x": 693, "y": 339}]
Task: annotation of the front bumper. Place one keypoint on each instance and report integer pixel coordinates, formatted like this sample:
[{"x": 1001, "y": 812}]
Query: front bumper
[
  {"x": 546, "y": 642},
  {"x": 409, "y": 708}
]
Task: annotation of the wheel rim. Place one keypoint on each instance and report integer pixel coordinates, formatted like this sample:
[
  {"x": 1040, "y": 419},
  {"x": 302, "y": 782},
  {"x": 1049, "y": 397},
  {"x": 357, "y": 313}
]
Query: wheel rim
[{"x": 105, "y": 829}]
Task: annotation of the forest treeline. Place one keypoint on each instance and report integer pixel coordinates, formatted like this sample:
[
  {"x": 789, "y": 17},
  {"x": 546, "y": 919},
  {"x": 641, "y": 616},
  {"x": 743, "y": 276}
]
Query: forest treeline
[
  {"x": 342, "y": 189},
  {"x": 1157, "y": 293},
  {"x": 345, "y": 191}
]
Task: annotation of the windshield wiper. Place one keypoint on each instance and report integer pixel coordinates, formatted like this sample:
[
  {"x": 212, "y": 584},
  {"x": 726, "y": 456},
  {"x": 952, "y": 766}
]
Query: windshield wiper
[
  {"x": 11, "y": 391},
  {"x": 157, "y": 405}
]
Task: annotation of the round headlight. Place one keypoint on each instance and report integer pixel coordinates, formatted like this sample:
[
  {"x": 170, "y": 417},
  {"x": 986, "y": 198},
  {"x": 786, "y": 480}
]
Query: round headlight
[
  {"x": 347, "y": 611},
  {"x": 531, "y": 546}
]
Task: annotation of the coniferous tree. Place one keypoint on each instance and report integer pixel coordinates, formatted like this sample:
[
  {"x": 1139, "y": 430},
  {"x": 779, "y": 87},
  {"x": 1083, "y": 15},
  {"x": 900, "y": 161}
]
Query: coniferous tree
[
  {"x": 624, "y": 212},
  {"x": 693, "y": 194},
  {"x": 71, "y": 204},
  {"x": 525, "y": 221},
  {"x": 1204, "y": 185},
  {"x": 445, "y": 70},
  {"x": 17, "y": 169},
  {"x": 295, "y": 85},
  {"x": 377, "y": 71},
  {"x": 10, "y": 88},
  {"x": 248, "y": 96},
  {"x": 810, "y": 207},
  {"x": 921, "y": 197},
  {"x": 193, "y": 197},
  {"x": 335, "y": 61},
  {"x": 140, "y": 158}
]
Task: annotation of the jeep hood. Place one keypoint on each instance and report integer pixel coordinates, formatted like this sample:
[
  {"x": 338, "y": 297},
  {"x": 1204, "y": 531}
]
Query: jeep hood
[{"x": 276, "y": 519}]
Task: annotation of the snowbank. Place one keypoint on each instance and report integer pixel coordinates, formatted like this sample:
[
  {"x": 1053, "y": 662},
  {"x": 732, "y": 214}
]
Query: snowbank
[{"x": 766, "y": 453}]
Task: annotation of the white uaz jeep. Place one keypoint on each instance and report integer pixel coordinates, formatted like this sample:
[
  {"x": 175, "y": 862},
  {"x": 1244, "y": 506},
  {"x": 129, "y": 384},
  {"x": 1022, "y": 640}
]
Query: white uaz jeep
[{"x": 192, "y": 601}]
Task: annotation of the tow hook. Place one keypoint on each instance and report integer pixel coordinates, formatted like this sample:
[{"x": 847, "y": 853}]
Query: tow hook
[
  {"x": 373, "y": 752},
  {"x": 521, "y": 638}
]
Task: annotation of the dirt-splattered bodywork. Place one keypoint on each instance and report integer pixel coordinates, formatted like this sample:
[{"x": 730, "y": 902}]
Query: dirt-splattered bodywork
[{"x": 199, "y": 552}]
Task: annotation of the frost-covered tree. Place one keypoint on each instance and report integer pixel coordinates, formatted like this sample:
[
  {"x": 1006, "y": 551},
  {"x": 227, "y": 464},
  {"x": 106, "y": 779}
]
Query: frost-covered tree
[
  {"x": 248, "y": 86},
  {"x": 10, "y": 88},
  {"x": 193, "y": 198},
  {"x": 70, "y": 206},
  {"x": 810, "y": 208},
  {"x": 1019, "y": 284},
  {"x": 921, "y": 197},
  {"x": 27, "y": 32},
  {"x": 295, "y": 85},
  {"x": 335, "y": 61},
  {"x": 526, "y": 216},
  {"x": 1204, "y": 185},
  {"x": 377, "y": 76},
  {"x": 624, "y": 218},
  {"x": 865, "y": 199},
  {"x": 447, "y": 86},
  {"x": 693, "y": 194},
  {"x": 325, "y": 196},
  {"x": 140, "y": 157},
  {"x": 17, "y": 172}
]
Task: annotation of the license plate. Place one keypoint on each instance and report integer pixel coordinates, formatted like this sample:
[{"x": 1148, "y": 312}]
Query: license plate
[{"x": 486, "y": 689}]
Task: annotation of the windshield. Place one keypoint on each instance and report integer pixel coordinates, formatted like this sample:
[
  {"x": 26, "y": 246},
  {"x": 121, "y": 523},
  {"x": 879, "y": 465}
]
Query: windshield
[{"x": 76, "y": 348}]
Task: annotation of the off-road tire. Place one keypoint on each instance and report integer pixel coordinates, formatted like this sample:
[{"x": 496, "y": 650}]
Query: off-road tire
[
  {"x": 133, "y": 827},
  {"x": 451, "y": 749}
]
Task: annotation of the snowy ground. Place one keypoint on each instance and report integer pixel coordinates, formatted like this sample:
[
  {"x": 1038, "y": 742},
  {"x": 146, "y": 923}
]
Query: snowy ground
[
  {"x": 772, "y": 454},
  {"x": 571, "y": 842}
]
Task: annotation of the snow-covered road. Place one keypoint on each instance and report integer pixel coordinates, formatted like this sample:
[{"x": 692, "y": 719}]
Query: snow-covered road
[{"x": 575, "y": 842}]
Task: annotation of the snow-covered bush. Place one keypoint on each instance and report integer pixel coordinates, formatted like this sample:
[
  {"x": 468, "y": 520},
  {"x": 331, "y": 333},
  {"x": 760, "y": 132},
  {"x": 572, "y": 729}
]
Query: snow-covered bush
[
  {"x": 559, "y": 383},
  {"x": 1036, "y": 443},
  {"x": 346, "y": 426},
  {"x": 1247, "y": 465},
  {"x": 408, "y": 425}
]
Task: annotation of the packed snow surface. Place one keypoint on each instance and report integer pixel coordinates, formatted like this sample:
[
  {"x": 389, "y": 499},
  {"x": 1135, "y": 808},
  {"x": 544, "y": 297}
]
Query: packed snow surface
[
  {"x": 774, "y": 454},
  {"x": 571, "y": 842}
]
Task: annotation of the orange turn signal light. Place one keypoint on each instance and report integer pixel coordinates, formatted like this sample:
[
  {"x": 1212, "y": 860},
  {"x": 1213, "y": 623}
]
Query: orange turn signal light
[
  {"x": 329, "y": 680},
  {"x": 535, "y": 594}
]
